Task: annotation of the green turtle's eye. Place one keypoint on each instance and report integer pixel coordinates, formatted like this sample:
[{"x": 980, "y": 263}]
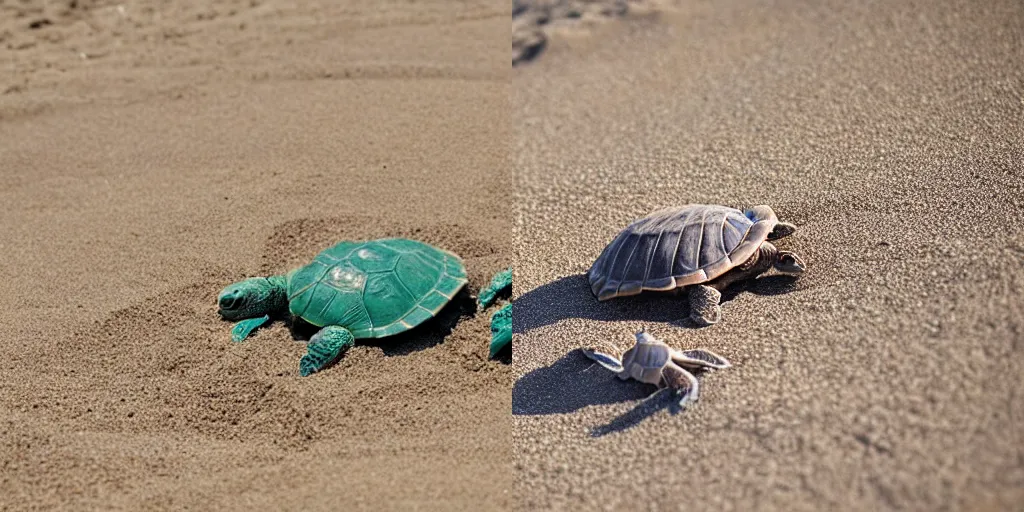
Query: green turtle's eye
[{"x": 230, "y": 299}]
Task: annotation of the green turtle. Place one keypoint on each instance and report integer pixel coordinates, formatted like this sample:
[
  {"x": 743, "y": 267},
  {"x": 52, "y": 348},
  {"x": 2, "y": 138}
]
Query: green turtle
[
  {"x": 352, "y": 290},
  {"x": 703, "y": 248}
]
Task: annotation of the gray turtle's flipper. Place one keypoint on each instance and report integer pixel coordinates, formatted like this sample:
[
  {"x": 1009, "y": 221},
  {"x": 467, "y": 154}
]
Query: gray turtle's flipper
[
  {"x": 324, "y": 347},
  {"x": 501, "y": 329},
  {"x": 704, "y": 305},
  {"x": 609, "y": 362},
  {"x": 683, "y": 382},
  {"x": 699, "y": 358},
  {"x": 245, "y": 328},
  {"x": 500, "y": 283}
]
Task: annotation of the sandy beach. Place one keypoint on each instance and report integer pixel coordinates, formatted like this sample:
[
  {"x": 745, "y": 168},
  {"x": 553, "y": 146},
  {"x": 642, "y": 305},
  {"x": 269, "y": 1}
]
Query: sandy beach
[
  {"x": 152, "y": 153},
  {"x": 888, "y": 377}
]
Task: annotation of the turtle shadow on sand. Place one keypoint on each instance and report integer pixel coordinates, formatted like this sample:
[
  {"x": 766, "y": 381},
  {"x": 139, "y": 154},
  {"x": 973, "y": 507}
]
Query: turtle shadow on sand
[
  {"x": 570, "y": 297},
  {"x": 421, "y": 337},
  {"x": 569, "y": 384},
  {"x": 574, "y": 382}
]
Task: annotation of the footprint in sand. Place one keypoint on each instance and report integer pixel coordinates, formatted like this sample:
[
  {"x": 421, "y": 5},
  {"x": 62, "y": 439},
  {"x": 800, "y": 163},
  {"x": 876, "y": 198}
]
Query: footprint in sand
[{"x": 532, "y": 20}]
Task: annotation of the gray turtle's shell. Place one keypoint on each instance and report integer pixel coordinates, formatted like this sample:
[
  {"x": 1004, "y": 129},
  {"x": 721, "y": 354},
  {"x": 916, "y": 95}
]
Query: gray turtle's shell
[{"x": 678, "y": 247}]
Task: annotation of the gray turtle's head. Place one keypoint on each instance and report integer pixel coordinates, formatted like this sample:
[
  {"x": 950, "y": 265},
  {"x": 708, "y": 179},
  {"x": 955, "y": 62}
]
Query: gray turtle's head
[
  {"x": 789, "y": 263},
  {"x": 251, "y": 298}
]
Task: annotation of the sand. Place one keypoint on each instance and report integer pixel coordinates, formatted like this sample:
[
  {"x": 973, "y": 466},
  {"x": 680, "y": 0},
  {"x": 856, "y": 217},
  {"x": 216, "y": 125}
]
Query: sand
[
  {"x": 152, "y": 153},
  {"x": 889, "y": 376}
]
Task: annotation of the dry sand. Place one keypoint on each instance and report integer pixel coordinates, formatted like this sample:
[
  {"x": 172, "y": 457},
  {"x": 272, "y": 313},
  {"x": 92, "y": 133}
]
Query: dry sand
[
  {"x": 890, "y": 376},
  {"x": 151, "y": 153}
]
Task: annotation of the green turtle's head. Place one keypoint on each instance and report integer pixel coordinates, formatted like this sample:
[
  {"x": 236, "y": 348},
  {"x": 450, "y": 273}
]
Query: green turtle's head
[{"x": 251, "y": 298}]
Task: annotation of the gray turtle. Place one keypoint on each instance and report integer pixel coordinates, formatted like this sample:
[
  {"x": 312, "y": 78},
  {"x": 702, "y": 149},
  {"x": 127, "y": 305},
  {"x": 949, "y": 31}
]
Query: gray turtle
[
  {"x": 651, "y": 361},
  {"x": 703, "y": 248}
]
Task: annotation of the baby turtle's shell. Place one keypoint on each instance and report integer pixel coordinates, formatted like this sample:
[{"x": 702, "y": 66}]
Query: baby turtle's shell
[
  {"x": 376, "y": 288},
  {"x": 678, "y": 247},
  {"x": 645, "y": 360}
]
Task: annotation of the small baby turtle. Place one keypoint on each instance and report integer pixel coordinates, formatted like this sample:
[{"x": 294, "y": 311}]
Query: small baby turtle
[
  {"x": 704, "y": 248},
  {"x": 351, "y": 290},
  {"x": 651, "y": 361}
]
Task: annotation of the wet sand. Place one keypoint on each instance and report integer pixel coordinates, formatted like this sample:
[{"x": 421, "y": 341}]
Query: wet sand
[
  {"x": 151, "y": 154},
  {"x": 889, "y": 376}
]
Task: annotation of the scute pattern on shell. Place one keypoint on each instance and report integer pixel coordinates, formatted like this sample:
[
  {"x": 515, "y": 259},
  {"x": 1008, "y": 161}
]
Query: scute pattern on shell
[
  {"x": 644, "y": 361},
  {"x": 678, "y": 247},
  {"x": 375, "y": 288}
]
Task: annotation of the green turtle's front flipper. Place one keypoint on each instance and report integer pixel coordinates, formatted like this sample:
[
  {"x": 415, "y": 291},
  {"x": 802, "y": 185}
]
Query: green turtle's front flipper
[
  {"x": 502, "y": 282},
  {"x": 324, "y": 347},
  {"x": 243, "y": 329},
  {"x": 501, "y": 329}
]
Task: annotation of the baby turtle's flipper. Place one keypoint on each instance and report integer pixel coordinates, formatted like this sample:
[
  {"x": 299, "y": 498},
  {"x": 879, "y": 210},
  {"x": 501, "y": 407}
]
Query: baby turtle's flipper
[
  {"x": 501, "y": 329},
  {"x": 683, "y": 382},
  {"x": 609, "y": 362},
  {"x": 245, "y": 328},
  {"x": 699, "y": 358},
  {"x": 501, "y": 283},
  {"x": 324, "y": 347}
]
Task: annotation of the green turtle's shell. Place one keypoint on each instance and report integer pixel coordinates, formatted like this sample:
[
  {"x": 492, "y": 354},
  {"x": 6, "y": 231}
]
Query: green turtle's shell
[{"x": 376, "y": 288}]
